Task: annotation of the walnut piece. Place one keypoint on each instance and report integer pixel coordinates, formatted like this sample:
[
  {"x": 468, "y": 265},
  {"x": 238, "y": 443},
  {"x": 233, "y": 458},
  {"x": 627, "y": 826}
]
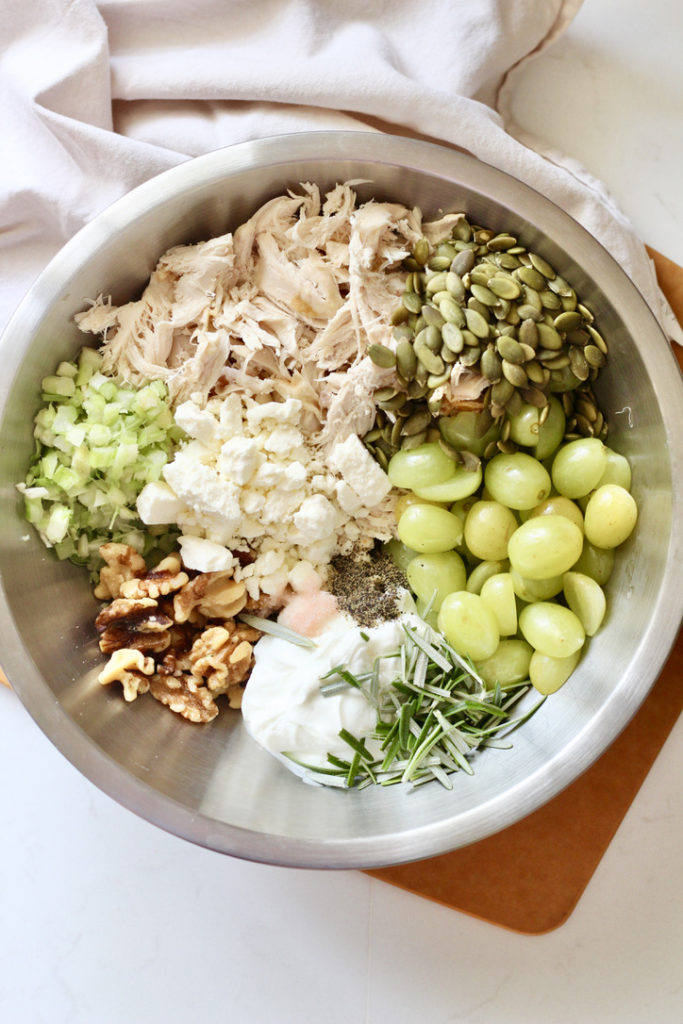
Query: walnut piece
[
  {"x": 215, "y": 595},
  {"x": 165, "y": 579},
  {"x": 122, "y": 563},
  {"x": 138, "y": 624},
  {"x": 182, "y": 695},
  {"x": 130, "y": 668}
]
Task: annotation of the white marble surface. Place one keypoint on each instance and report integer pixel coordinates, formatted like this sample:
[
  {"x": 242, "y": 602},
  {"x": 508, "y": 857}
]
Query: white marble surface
[{"x": 106, "y": 919}]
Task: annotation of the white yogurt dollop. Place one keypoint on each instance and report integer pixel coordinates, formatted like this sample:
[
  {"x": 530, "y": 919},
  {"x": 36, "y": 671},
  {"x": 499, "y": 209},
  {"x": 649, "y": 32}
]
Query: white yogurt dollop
[{"x": 283, "y": 708}]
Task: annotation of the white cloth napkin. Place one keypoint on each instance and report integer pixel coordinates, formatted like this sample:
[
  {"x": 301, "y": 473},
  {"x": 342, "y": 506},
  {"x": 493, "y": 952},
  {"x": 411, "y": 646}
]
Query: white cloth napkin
[{"x": 97, "y": 97}]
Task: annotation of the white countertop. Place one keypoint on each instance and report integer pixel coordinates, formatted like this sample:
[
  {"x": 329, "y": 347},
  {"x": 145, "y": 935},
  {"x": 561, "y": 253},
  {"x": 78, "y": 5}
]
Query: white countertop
[{"x": 106, "y": 919}]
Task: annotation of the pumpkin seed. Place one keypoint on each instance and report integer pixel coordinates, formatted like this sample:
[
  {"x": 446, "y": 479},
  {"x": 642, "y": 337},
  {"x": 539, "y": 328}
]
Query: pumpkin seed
[
  {"x": 413, "y": 441},
  {"x": 417, "y": 389},
  {"x": 499, "y": 242},
  {"x": 436, "y": 380},
  {"x": 395, "y": 433},
  {"x": 510, "y": 350},
  {"x": 578, "y": 362},
  {"x": 384, "y": 394},
  {"x": 412, "y": 301},
  {"x": 534, "y": 371},
  {"x": 382, "y": 458},
  {"x": 534, "y": 396},
  {"x": 501, "y": 391},
  {"x": 504, "y": 286},
  {"x": 429, "y": 337},
  {"x": 421, "y": 251},
  {"x": 567, "y": 321},
  {"x": 484, "y": 295},
  {"x": 406, "y": 360},
  {"x": 447, "y": 356},
  {"x": 454, "y": 286},
  {"x": 372, "y": 435},
  {"x": 439, "y": 263},
  {"x": 548, "y": 337},
  {"x": 491, "y": 364},
  {"x": 392, "y": 404},
  {"x": 382, "y": 356},
  {"x": 437, "y": 283},
  {"x": 452, "y": 312},
  {"x": 598, "y": 339},
  {"x": 528, "y": 312},
  {"x": 476, "y": 323},
  {"x": 447, "y": 250},
  {"x": 541, "y": 265},
  {"x": 531, "y": 278},
  {"x": 515, "y": 374},
  {"x": 594, "y": 356},
  {"x": 549, "y": 300},
  {"x": 470, "y": 356},
  {"x": 482, "y": 273},
  {"x": 463, "y": 262},
  {"x": 403, "y": 331},
  {"x": 453, "y": 337},
  {"x": 432, "y": 362},
  {"x": 432, "y": 316}
]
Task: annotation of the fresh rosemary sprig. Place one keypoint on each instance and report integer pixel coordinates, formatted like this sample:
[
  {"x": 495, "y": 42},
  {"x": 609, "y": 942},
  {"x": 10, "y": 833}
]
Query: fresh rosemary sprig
[{"x": 435, "y": 714}]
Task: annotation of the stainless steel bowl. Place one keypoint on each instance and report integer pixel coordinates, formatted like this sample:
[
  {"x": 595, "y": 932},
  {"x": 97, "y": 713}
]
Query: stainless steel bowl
[{"x": 211, "y": 784}]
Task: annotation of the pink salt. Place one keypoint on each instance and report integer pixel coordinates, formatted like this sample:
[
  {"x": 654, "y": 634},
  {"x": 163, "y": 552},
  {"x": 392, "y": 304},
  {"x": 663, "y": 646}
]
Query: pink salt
[{"x": 308, "y": 613}]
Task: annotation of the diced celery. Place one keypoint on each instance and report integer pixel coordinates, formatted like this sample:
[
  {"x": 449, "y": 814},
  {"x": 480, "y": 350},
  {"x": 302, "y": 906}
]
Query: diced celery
[
  {"x": 109, "y": 390},
  {"x": 48, "y": 464},
  {"x": 99, "y": 435},
  {"x": 67, "y": 479},
  {"x": 57, "y": 524},
  {"x": 102, "y": 457},
  {"x": 67, "y": 370},
  {"x": 57, "y": 387},
  {"x": 75, "y": 435}
]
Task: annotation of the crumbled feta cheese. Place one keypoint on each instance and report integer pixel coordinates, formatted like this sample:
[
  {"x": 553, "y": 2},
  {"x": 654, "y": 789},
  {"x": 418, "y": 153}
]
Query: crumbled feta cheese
[
  {"x": 204, "y": 555},
  {"x": 316, "y": 519},
  {"x": 158, "y": 504},
  {"x": 360, "y": 471},
  {"x": 239, "y": 459}
]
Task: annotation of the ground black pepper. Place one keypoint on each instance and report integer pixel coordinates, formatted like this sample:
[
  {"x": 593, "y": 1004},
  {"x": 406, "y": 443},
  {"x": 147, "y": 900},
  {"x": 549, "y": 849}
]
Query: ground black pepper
[{"x": 368, "y": 586}]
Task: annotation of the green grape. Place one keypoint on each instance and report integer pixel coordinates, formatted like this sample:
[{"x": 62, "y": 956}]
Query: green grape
[
  {"x": 558, "y": 505},
  {"x": 535, "y": 590},
  {"x": 548, "y": 674},
  {"x": 527, "y": 430},
  {"x": 595, "y": 562},
  {"x": 460, "y": 484},
  {"x": 551, "y": 629},
  {"x": 469, "y": 431},
  {"x": 545, "y": 546},
  {"x": 469, "y": 625},
  {"x": 578, "y": 466},
  {"x": 525, "y": 426},
  {"x": 499, "y": 594},
  {"x": 427, "y": 464},
  {"x": 488, "y": 528},
  {"x": 435, "y": 575},
  {"x": 617, "y": 471},
  {"x": 508, "y": 664},
  {"x": 586, "y": 599},
  {"x": 517, "y": 480},
  {"x": 399, "y": 553},
  {"x": 428, "y": 528},
  {"x": 483, "y": 572},
  {"x": 552, "y": 431},
  {"x": 409, "y": 498},
  {"x": 610, "y": 516}
]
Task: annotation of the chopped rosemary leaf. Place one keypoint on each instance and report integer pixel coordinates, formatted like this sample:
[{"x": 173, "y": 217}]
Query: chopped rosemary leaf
[
  {"x": 275, "y": 629},
  {"x": 435, "y": 714}
]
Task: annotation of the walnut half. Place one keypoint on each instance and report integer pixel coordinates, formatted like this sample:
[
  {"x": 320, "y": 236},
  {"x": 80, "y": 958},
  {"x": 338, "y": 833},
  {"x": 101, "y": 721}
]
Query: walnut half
[
  {"x": 137, "y": 624},
  {"x": 130, "y": 668}
]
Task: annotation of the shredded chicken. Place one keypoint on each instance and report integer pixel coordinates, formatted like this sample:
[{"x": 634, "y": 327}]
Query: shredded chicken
[{"x": 285, "y": 308}]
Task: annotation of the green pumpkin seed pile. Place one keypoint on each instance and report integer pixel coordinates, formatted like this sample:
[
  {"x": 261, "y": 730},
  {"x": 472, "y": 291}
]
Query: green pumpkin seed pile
[{"x": 482, "y": 300}]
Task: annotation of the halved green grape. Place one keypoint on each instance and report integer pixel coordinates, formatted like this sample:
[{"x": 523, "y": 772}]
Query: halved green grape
[
  {"x": 617, "y": 471},
  {"x": 488, "y": 528},
  {"x": 551, "y": 629},
  {"x": 535, "y": 590},
  {"x": 469, "y": 431},
  {"x": 578, "y": 466},
  {"x": 499, "y": 594},
  {"x": 469, "y": 625},
  {"x": 597, "y": 563},
  {"x": 586, "y": 599},
  {"x": 610, "y": 516},
  {"x": 433, "y": 575},
  {"x": 483, "y": 572},
  {"x": 548, "y": 674},
  {"x": 460, "y": 484},
  {"x": 545, "y": 546},
  {"x": 508, "y": 664},
  {"x": 558, "y": 505},
  {"x": 517, "y": 480},
  {"x": 419, "y": 467},
  {"x": 429, "y": 528}
]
